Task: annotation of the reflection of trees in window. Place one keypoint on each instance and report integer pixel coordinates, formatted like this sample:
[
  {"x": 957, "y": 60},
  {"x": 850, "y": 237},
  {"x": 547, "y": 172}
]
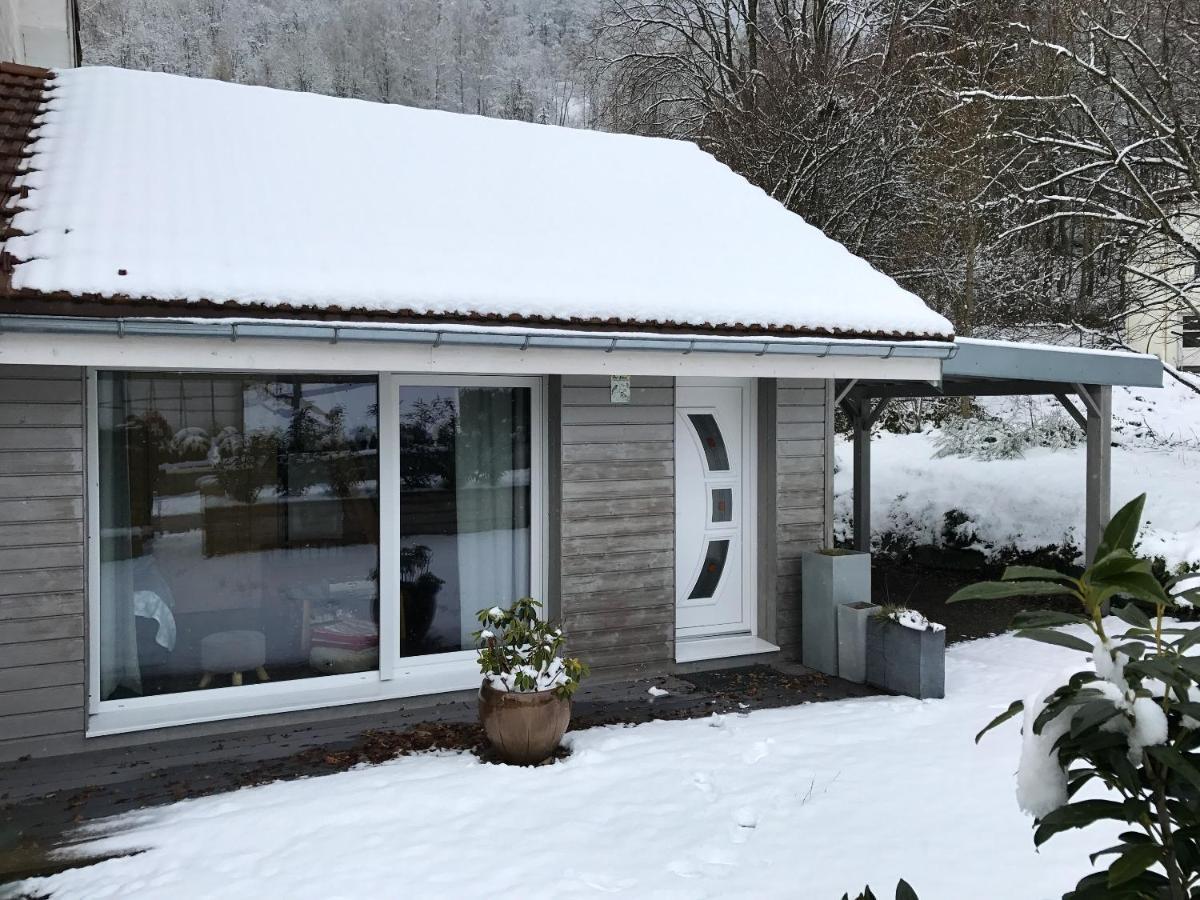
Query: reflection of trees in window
[{"x": 427, "y": 436}]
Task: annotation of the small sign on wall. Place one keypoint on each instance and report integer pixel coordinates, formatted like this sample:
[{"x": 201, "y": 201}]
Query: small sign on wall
[{"x": 618, "y": 388}]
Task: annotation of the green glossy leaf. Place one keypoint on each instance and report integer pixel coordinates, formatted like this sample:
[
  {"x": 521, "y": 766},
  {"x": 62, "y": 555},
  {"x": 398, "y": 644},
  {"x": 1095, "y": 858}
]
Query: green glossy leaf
[
  {"x": 1036, "y": 573},
  {"x": 1122, "y": 529},
  {"x": 1078, "y": 815},
  {"x": 1131, "y": 863},
  {"x": 1133, "y": 615},
  {"x": 1112, "y": 564},
  {"x": 1059, "y": 638},
  {"x": 1176, "y": 762},
  {"x": 1045, "y": 618},
  {"x": 1014, "y": 708},
  {"x": 1141, "y": 585},
  {"x": 1091, "y": 714},
  {"x": 1006, "y": 590},
  {"x": 904, "y": 891}
]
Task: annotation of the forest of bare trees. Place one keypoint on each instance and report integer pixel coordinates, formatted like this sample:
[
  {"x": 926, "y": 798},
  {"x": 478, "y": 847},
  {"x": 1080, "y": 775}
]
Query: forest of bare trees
[{"x": 1011, "y": 161}]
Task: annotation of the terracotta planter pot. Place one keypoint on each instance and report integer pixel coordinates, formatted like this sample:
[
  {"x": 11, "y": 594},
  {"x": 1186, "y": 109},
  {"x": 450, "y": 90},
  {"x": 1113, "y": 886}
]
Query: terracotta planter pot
[{"x": 524, "y": 728}]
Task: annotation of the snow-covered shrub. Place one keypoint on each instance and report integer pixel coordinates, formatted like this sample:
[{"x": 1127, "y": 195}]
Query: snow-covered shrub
[
  {"x": 190, "y": 444},
  {"x": 957, "y": 531},
  {"x": 988, "y": 437},
  {"x": 522, "y": 652},
  {"x": 1129, "y": 722},
  {"x": 246, "y": 465},
  {"x": 983, "y": 437}
]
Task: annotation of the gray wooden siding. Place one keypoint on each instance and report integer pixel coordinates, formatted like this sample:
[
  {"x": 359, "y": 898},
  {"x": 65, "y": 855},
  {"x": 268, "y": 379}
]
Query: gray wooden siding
[
  {"x": 41, "y": 556},
  {"x": 617, "y": 581},
  {"x": 801, "y": 512}
]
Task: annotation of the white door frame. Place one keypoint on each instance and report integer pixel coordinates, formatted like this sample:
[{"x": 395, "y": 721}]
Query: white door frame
[{"x": 691, "y": 643}]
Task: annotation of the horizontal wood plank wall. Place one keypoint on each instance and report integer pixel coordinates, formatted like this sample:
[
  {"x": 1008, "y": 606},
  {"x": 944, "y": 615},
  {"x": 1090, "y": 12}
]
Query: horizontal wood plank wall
[
  {"x": 801, "y": 497},
  {"x": 617, "y": 583},
  {"x": 42, "y": 603}
]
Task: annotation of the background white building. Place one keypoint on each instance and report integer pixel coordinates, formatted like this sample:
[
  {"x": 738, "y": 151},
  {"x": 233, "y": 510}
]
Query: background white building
[{"x": 40, "y": 33}]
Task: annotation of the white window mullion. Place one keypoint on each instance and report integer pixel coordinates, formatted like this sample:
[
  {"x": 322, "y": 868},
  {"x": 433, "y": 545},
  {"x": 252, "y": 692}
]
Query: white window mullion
[{"x": 389, "y": 524}]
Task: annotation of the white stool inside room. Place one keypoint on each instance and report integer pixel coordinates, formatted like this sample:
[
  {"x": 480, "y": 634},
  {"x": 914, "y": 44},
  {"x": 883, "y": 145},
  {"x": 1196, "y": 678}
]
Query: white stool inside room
[{"x": 232, "y": 653}]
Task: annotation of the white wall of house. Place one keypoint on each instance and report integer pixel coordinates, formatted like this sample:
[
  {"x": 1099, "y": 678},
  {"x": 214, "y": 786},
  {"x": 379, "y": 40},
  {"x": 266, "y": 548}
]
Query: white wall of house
[
  {"x": 1165, "y": 327},
  {"x": 39, "y": 33},
  {"x": 1156, "y": 333}
]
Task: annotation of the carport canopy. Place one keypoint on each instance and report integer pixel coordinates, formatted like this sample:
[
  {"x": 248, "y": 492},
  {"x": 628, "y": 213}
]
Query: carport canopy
[{"x": 1081, "y": 379}]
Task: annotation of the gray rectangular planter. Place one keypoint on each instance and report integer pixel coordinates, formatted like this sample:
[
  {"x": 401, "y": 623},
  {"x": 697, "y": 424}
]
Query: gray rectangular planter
[
  {"x": 906, "y": 661},
  {"x": 852, "y": 639},
  {"x": 828, "y": 580}
]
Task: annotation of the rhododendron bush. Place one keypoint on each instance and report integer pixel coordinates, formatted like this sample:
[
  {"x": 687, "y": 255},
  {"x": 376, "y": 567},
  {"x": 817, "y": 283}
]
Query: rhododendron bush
[{"x": 1128, "y": 723}]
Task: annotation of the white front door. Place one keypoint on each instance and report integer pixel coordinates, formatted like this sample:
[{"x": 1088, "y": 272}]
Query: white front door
[{"x": 713, "y": 499}]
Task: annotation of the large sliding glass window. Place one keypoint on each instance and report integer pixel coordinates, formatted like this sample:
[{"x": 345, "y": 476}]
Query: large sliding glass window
[
  {"x": 465, "y": 500},
  {"x": 239, "y": 530}
]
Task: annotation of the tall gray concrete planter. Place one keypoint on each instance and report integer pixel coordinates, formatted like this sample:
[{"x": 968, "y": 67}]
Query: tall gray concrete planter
[
  {"x": 852, "y": 639},
  {"x": 905, "y": 660},
  {"x": 829, "y": 579}
]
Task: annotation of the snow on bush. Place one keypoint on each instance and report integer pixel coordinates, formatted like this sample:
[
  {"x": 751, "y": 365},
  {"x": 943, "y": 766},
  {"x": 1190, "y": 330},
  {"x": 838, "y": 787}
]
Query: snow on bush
[
  {"x": 521, "y": 652},
  {"x": 1124, "y": 724},
  {"x": 987, "y": 437},
  {"x": 191, "y": 443},
  {"x": 910, "y": 618},
  {"x": 1035, "y": 503},
  {"x": 1041, "y": 780}
]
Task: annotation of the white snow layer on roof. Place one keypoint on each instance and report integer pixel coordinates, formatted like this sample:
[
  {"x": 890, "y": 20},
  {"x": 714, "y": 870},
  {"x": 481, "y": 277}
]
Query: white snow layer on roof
[{"x": 203, "y": 190}]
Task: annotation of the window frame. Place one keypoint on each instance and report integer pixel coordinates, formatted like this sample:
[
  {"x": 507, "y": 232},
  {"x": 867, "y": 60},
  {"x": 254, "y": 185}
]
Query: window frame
[{"x": 396, "y": 676}]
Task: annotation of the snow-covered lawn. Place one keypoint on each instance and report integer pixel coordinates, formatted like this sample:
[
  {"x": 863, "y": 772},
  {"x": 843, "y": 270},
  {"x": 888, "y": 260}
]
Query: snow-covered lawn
[
  {"x": 802, "y": 803},
  {"x": 1038, "y": 500}
]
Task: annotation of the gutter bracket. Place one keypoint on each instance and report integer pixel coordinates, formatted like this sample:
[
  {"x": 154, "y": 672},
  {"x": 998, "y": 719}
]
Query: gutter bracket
[
  {"x": 336, "y": 334},
  {"x": 525, "y": 345},
  {"x": 437, "y": 340},
  {"x": 611, "y": 346},
  {"x": 233, "y": 332}
]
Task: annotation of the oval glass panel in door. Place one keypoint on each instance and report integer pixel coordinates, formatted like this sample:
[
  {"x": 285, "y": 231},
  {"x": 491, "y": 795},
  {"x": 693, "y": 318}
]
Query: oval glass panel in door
[
  {"x": 711, "y": 571},
  {"x": 711, "y": 440}
]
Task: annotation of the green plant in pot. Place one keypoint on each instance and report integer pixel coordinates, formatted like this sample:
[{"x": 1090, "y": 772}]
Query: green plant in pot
[{"x": 525, "y": 698}]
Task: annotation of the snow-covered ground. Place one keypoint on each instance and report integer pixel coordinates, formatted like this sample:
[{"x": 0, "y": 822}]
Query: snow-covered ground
[
  {"x": 1038, "y": 499},
  {"x": 802, "y": 803}
]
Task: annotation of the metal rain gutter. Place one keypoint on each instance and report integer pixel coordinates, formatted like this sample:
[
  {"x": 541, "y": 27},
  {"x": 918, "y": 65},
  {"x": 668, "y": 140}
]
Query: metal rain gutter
[{"x": 437, "y": 336}]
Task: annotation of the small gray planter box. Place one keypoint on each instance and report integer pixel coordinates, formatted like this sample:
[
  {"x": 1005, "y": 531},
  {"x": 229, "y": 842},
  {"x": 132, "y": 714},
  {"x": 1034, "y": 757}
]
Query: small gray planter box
[
  {"x": 829, "y": 580},
  {"x": 906, "y": 661},
  {"x": 852, "y": 640}
]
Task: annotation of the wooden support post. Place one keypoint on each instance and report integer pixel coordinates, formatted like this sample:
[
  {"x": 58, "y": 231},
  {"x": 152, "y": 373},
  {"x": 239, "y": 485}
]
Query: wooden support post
[
  {"x": 1098, "y": 400},
  {"x": 861, "y": 422}
]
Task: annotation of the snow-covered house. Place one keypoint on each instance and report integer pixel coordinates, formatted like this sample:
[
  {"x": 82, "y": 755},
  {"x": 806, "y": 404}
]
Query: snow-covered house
[{"x": 292, "y": 386}]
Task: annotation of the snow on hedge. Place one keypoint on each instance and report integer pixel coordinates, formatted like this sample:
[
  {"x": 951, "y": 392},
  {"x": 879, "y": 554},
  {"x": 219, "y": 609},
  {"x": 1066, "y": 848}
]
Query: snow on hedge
[
  {"x": 1037, "y": 499},
  {"x": 159, "y": 186},
  {"x": 806, "y": 802}
]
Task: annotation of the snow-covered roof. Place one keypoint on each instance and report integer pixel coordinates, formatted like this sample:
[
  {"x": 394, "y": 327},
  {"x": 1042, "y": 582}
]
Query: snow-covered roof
[{"x": 152, "y": 187}]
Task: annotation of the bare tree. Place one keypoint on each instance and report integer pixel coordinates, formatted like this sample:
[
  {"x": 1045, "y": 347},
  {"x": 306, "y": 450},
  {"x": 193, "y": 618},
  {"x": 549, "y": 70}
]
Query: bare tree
[{"x": 1104, "y": 138}]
